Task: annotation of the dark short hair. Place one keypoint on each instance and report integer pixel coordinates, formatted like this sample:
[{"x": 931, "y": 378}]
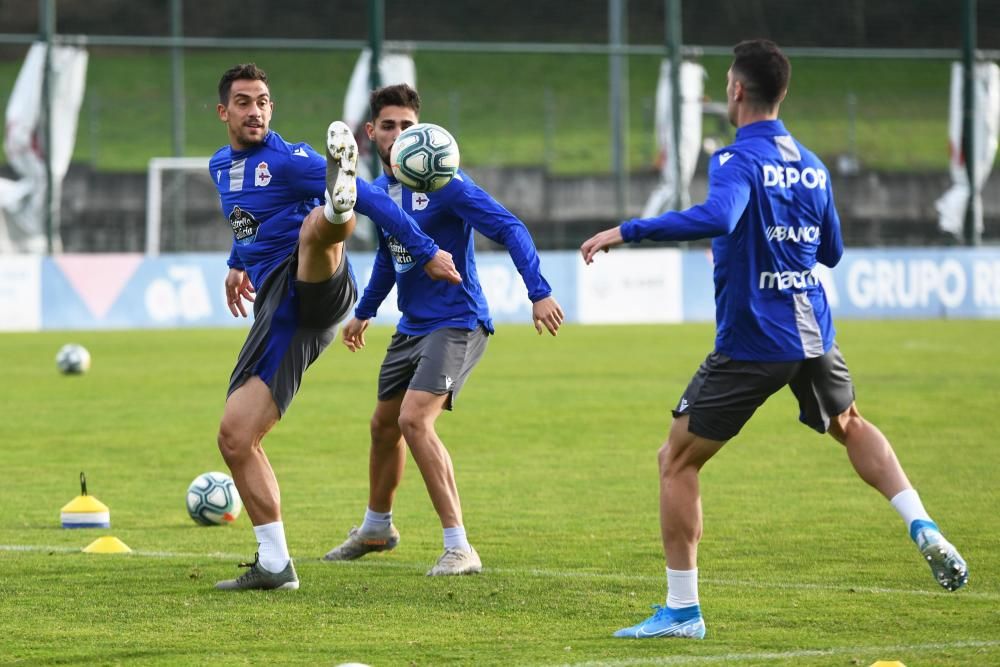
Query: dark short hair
[
  {"x": 243, "y": 71},
  {"x": 398, "y": 95},
  {"x": 763, "y": 69}
]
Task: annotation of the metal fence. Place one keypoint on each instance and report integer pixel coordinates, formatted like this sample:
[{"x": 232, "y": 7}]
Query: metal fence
[{"x": 553, "y": 107}]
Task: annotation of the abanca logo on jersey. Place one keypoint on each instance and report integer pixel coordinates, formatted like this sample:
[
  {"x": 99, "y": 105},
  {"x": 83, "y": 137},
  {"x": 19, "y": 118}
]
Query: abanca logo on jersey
[
  {"x": 785, "y": 177},
  {"x": 809, "y": 234}
]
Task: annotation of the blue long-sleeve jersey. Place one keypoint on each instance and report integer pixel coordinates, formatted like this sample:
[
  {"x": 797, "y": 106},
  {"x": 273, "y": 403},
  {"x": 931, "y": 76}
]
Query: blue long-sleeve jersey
[
  {"x": 448, "y": 216},
  {"x": 771, "y": 217},
  {"x": 267, "y": 191}
]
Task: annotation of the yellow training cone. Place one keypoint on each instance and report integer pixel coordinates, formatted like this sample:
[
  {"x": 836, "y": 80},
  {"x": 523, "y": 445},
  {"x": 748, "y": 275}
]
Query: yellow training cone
[
  {"x": 85, "y": 511},
  {"x": 107, "y": 545},
  {"x": 887, "y": 663}
]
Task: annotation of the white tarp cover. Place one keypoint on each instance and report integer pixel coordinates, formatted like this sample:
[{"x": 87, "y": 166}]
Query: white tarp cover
[
  {"x": 951, "y": 207},
  {"x": 23, "y": 202},
  {"x": 692, "y": 80}
]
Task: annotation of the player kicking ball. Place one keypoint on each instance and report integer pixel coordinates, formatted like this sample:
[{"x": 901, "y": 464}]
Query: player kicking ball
[{"x": 288, "y": 258}]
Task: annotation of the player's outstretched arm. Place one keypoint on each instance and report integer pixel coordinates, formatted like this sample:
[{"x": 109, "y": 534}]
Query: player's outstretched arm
[
  {"x": 442, "y": 267},
  {"x": 353, "y": 334},
  {"x": 548, "y": 314},
  {"x": 605, "y": 241},
  {"x": 238, "y": 290}
]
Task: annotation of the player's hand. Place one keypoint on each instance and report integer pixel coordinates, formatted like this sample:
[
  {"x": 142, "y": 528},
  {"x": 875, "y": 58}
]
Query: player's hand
[
  {"x": 238, "y": 290},
  {"x": 547, "y": 313},
  {"x": 442, "y": 267},
  {"x": 605, "y": 241},
  {"x": 353, "y": 334}
]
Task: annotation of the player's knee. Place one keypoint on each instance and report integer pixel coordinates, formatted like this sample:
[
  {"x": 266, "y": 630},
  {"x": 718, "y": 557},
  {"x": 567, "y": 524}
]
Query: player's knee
[
  {"x": 670, "y": 458},
  {"x": 383, "y": 429},
  {"x": 412, "y": 423},
  {"x": 663, "y": 455},
  {"x": 846, "y": 423},
  {"x": 233, "y": 445}
]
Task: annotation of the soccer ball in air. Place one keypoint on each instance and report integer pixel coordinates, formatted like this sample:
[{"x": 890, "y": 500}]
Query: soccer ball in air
[
  {"x": 73, "y": 359},
  {"x": 212, "y": 499},
  {"x": 424, "y": 157}
]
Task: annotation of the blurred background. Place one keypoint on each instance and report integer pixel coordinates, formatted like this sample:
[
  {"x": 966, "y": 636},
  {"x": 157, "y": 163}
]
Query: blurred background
[{"x": 553, "y": 103}]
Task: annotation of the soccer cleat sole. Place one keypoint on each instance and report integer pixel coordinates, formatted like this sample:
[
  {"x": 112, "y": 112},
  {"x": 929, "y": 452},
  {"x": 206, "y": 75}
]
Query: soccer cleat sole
[
  {"x": 341, "y": 166},
  {"x": 950, "y": 573}
]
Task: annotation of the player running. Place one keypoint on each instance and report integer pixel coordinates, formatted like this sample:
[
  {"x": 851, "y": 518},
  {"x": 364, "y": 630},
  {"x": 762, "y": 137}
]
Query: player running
[
  {"x": 771, "y": 217},
  {"x": 291, "y": 248},
  {"x": 440, "y": 337}
]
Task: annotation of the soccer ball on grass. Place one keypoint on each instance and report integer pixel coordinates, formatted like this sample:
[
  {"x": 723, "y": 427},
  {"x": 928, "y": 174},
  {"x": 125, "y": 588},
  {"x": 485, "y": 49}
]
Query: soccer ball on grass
[
  {"x": 212, "y": 499},
  {"x": 72, "y": 359},
  {"x": 424, "y": 157}
]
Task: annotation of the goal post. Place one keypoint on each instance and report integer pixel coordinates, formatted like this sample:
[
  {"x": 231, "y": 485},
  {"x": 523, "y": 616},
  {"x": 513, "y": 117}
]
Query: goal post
[{"x": 158, "y": 166}]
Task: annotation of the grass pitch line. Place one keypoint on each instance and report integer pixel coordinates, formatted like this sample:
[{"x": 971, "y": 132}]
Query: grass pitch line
[
  {"x": 538, "y": 572},
  {"x": 727, "y": 658},
  {"x": 37, "y": 548}
]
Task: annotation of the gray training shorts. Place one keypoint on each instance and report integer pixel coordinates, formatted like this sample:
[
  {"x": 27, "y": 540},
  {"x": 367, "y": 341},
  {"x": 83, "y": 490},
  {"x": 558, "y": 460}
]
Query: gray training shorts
[
  {"x": 724, "y": 393},
  {"x": 294, "y": 321},
  {"x": 438, "y": 362}
]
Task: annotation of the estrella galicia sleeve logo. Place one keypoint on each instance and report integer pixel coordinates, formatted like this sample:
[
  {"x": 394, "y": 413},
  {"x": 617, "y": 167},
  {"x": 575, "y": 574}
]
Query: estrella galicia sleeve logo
[
  {"x": 244, "y": 226},
  {"x": 402, "y": 260}
]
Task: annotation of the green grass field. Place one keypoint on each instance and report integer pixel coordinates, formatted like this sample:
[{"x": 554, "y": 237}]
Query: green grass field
[
  {"x": 550, "y": 110},
  {"x": 554, "y": 444}
]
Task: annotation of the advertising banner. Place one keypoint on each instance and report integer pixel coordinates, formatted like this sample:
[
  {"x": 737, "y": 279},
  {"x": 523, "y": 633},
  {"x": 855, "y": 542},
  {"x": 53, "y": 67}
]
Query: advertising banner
[{"x": 627, "y": 286}]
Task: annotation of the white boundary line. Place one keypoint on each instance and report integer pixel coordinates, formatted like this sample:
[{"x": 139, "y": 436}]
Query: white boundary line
[
  {"x": 728, "y": 658},
  {"x": 538, "y": 572},
  {"x": 725, "y": 658}
]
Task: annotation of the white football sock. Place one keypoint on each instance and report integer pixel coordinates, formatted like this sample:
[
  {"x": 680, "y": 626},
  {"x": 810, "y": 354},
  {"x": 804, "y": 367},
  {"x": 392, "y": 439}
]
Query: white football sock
[
  {"x": 682, "y": 588},
  {"x": 272, "y": 550},
  {"x": 454, "y": 538},
  {"x": 908, "y": 504},
  {"x": 376, "y": 522}
]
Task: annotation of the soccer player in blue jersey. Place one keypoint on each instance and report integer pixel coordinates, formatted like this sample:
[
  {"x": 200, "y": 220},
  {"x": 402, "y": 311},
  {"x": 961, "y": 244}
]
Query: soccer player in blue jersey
[
  {"x": 771, "y": 217},
  {"x": 288, "y": 258},
  {"x": 440, "y": 337}
]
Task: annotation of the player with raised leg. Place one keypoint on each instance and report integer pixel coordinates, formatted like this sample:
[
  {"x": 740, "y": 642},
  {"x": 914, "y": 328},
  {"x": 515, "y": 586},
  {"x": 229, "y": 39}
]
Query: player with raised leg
[
  {"x": 771, "y": 217},
  {"x": 290, "y": 247},
  {"x": 440, "y": 337}
]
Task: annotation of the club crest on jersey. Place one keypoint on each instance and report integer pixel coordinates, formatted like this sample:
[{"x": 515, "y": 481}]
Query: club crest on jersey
[
  {"x": 419, "y": 201},
  {"x": 261, "y": 176}
]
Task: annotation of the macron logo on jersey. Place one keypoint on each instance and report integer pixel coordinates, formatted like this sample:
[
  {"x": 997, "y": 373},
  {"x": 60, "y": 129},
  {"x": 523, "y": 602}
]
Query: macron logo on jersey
[
  {"x": 724, "y": 158},
  {"x": 809, "y": 234},
  {"x": 787, "y": 279},
  {"x": 300, "y": 152}
]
